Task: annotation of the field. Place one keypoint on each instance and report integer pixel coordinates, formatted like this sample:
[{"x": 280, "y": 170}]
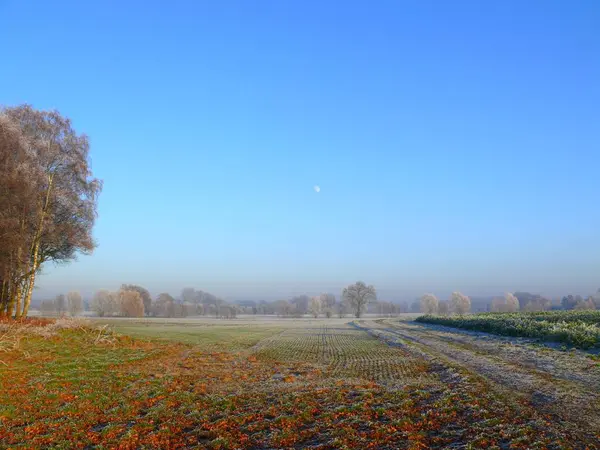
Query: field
[
  {"x": 577, "y": 328},
  {"x": 269, "y": 383}
]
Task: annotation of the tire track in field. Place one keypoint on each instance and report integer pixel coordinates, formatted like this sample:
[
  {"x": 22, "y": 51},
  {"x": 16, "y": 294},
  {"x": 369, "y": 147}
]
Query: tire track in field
[{"x": 574, "y": 399}]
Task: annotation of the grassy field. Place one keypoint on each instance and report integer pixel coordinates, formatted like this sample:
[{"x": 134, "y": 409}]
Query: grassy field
[
  {"x": 275, "y": 384},
  {"x": 578, "y": 328},
  {"x": 215, "y": 335}
]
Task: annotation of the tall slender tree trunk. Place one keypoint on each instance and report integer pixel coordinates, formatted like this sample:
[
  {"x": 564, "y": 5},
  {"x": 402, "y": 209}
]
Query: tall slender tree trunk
[
  {"x": 19, "y": 298},
  {"x": 31, "y": 281},
  {"x": 34, "y": 256}
]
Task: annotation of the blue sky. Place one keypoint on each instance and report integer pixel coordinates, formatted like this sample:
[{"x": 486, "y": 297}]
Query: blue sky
[{"x": 456, "y": 144}]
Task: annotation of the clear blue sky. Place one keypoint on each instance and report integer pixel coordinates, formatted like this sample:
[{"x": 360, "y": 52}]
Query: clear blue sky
[{"x": 456, "y": 144}]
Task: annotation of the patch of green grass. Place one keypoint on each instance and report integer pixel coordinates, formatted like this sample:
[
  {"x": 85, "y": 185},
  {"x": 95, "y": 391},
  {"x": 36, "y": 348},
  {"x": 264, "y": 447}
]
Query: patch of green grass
[{"x": 209, "y": 338}]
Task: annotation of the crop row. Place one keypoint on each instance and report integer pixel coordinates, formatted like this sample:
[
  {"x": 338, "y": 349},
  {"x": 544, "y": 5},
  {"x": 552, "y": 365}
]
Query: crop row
[
  {"x": 345, "y": 352},
  {"x": 578, "y": 328}
]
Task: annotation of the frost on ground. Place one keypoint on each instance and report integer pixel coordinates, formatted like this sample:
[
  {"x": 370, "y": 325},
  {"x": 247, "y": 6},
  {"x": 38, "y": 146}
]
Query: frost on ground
[{"x": 317, "y": 384}]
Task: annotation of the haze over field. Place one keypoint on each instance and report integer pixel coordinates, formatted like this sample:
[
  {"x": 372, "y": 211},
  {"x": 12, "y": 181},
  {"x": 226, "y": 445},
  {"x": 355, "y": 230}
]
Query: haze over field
[{"x": 263, "y": 151}]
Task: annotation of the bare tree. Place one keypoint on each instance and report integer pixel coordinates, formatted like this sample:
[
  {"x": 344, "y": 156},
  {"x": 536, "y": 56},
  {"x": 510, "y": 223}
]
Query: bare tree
[
  {"x": 60, "y": 303},
  {"x": 131, "y": 303},
  {"x": 48, "y": 307},
  {"x": 315, "y": 306},
  {"x": 429, "y": 304},
  {"x": 164, "y": 306},
  {"x": 327, "y": 300},
  {"x": 512, "y": 302},
  {"x": 301, "y": 304},
  {"x": 146, "y": 297},
  {"x": 459, "y": 303},
  {"x": 358, "y": 296},
  {"x": 104, "y": 303},
  {"x": 342, "y": 309},
  {"x": 75, "y": 303},
  {"x": 585, "y": 304},
  {"x": 282, "y": 307}
]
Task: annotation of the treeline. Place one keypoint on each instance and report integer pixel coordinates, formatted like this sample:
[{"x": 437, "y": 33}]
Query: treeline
[
  {"x": 577, "y": 302},
  {"x": 48, "y": 200},
  {"x": 71, "y": 303},
  {"x": 510, "y": 302},
  {"x": 136, "y": 301}
]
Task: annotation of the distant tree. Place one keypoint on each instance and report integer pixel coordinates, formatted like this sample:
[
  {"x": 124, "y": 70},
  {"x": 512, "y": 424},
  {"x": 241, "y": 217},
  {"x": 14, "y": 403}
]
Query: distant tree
[
  {"x": 182, "y": 309},
  {"x": 228, "y": 311},
  {"x": 403, "y": 307},
  {"x": 596, "y": 299},
  {"x": 75, "y": 303},
  {"x": 209, "y": 310},
  {"x": 48, "y": 307},
  {"x": 429, "y": 304},
  {"x": 104, "y": 303},
  {"x": 219, "y": 303},
  {"x": 358, "y": 296},
  {"x": 342, "y": 309},
  {"x": 585, "y": 304},
  {"x": 301, "y": 304},
  {"x": 188, "y": 294},
  {"x": 282, "y": 307},
  {"x": 131, "y": 303},
  {"x": 532, "y": 302},
  {"x": 328, "y": 312},
  {"x": 569, "y": 302},
  {"x": 327, "y": 300},
  {"x": 144, "y": 294},
  {"x": 386, "y": 308},
  {"x": 209, "y": 299},
  {"x": 512, "y": 302},
  {"x": 164, "y": 306},
  {"x": 443, "y": 307},
  {"x": 508, "y": 303},
  {"x": 315, "y": 306},
  {"x": 460, "y": 303},
  {"x": 60, "y": 303}
]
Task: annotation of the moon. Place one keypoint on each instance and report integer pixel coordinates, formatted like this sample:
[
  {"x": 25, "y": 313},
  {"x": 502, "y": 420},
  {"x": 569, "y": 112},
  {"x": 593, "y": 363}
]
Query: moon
[{"x": 317, "y": 188}]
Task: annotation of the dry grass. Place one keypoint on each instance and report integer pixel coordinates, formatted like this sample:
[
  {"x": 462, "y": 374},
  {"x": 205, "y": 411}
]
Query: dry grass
[{"x": 13, "y": 332}]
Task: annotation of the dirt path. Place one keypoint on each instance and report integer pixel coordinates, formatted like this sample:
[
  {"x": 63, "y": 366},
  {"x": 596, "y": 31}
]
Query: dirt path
[{"x": 565, "y": 385}]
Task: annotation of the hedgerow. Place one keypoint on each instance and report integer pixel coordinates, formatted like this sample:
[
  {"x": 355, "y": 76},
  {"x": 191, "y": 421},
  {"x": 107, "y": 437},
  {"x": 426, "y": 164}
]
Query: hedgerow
[{"x": 578, "y": 328}]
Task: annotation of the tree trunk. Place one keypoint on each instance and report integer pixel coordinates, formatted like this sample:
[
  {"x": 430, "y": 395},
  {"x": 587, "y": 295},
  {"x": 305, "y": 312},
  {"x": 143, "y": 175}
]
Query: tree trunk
[
  {"x": 35, "y": 255},
  {"x": 19, "y": 295},
  {"x": 27, "y": 301},
  {"x": 15, "y": 296}
]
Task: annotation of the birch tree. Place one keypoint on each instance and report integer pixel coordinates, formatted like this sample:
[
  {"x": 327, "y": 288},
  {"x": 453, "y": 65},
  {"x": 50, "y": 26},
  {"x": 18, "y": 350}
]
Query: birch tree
[{"x": 49, "y": 193}]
